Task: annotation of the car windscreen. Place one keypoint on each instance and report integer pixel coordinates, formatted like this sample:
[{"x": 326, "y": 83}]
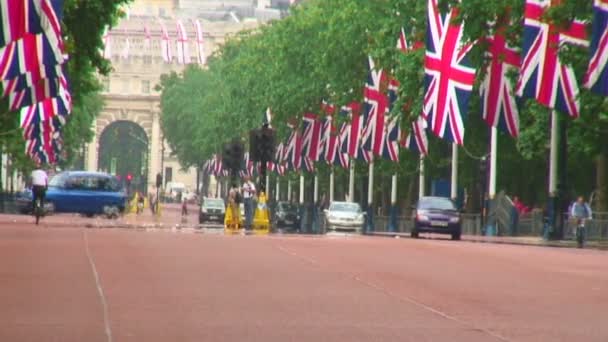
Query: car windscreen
[
  {"x": 58, "y": 181},
  {"x": 213, "y": 203},
  {"x": 345, "y": 207},
  {"x": 436, "y": 203}
]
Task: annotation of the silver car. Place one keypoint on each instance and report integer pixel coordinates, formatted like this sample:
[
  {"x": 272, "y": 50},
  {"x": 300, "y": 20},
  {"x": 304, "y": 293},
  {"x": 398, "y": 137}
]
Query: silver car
[{"x": 344, "y": 216}]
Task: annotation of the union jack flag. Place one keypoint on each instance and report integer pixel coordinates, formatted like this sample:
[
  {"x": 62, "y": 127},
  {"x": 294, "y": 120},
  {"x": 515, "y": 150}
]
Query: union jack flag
[
  {"x": 32, "y": 53},
  {"x": 498, "y": 104},
  {"x": 165, "y": 44},
  {"x": 341, "y": 158},
  {"x": 218, "y": 166},
  {"x": 353, "y": 146},
  {"x": 293, "y": 149},
  {"x": 59, "y": 107},
  {"x": 417, "y": 140},
  {"x": 311, "y": 137},
  {"x": 543, "y": 76},
  {"x": 596, "y": 78},
  {"x": 200, "y": 43},
  {"x": 392, "y": 132},
  {"x": 147, "y": 37},
  {"x": 374, "y": 110},
  {"x": 278, "y": 165},
  {"x": 183, "y": 55},
  {"x": 23, "y": 17},
  {"x": 449, "y": 76}
]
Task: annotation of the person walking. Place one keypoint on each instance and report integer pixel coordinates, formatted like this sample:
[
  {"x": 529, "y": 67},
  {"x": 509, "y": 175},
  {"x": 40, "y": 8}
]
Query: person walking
[{"x": 248, "y": 195}]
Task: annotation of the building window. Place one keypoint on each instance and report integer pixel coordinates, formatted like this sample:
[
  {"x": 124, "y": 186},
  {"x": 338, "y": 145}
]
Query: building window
[
  {"x": 145, "y": 87},
  {"x": 161, "y": 12},
  {"x": 147, "y": 59}
]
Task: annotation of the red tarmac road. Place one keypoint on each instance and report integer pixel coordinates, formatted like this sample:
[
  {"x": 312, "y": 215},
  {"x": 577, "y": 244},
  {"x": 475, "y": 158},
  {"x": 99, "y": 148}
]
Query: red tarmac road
[{"x": 73, "y": 284}]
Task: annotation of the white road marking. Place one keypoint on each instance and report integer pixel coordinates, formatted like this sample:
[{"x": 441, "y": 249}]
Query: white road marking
[{"x": 102, "y": 297}]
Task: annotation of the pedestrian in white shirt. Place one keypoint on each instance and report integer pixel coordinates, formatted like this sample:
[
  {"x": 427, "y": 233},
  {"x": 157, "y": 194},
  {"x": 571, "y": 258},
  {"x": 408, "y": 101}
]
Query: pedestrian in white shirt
[
  {"x": 248, "y": 195},
  {"x": 40, "y": 182}
]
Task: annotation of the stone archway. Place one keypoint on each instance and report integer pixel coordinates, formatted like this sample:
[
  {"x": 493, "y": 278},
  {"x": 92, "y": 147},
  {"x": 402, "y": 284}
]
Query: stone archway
[{"x": 123, "y": 151}]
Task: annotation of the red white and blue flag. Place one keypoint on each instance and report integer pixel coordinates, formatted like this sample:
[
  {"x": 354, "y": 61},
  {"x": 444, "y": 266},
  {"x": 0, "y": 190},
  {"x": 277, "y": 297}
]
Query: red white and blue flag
[
  {"x": 328, "y": 134},
  {"x": 449, "y": 76},
  {"x": 340, "y": 157},
  {"x": 498, "y": 102},
  {"x": 404, "y": 45},
  {"x": 416, "y": 139},
  {"x": 200, "y": 43},
  {"x": 355, "y": 127},
  {"x": 543, "y": 76},
  {"x": 375, "y": 108},
  {"x": 165, "y": 44},
  {"x": 292, "y": 155},
  {"x": 596, "y": 78},
  {"x": 311, "y": 137},
  {"x": 32, "y": 53},
  {"x": 392, "y": 131}
]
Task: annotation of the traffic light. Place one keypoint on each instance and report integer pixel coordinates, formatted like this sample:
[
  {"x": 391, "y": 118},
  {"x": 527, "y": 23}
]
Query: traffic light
[
  {"x": 129, "y": 177},
  {"x": 159, "y": 180},
  {"x": 483, "y": 169},
  {"x": 262, "y": 144},
  {"x": 232, "y": 156}
]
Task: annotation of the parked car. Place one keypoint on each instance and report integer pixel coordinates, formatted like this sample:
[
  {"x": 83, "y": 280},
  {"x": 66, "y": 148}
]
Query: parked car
[
  {"x": 286, "y": 214},
  {"x": 436, "y": 215},
  {"x": 88, "y": 193},
  {"x": 212, "y": 209},
  {"x": 344, "y": 216}
]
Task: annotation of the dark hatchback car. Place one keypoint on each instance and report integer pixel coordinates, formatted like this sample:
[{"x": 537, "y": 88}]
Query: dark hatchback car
[
  {"x": 286, "y": 214},
  {"x": 436, "y": 215}
]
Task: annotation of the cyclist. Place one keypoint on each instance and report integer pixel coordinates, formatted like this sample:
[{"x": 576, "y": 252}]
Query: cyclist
[
  {"x": 40, "y": 182},
  {"x": 580, "y": 211}
]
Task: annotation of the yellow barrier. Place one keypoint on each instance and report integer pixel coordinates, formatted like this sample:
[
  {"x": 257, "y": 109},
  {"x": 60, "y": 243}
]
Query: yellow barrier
[
  {"x": 233, "y": 222},
  {"x": 261, "y": 217}
]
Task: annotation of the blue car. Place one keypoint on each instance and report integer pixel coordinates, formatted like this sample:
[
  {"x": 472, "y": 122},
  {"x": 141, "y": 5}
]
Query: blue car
[{"x": 87, "y": 193}]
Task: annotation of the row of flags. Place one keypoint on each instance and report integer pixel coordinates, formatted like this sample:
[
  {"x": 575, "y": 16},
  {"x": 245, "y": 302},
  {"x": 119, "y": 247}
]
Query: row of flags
[
  {"x": 449, "y": 76},
  {"x": 32, "y": 71},
  {"x": 179, "y": 53},
  {"x": 368, "y": 131}
]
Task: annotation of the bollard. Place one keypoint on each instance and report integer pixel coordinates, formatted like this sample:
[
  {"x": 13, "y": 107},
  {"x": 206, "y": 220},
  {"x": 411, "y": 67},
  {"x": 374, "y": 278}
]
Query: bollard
[{"x": 261, "y": 217}]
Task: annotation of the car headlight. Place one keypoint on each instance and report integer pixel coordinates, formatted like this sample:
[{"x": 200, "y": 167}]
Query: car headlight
[
  {"x": 454, "y": 219},
  {"x": 204, "y": 210},
  {"x": 422, "y": 217}
]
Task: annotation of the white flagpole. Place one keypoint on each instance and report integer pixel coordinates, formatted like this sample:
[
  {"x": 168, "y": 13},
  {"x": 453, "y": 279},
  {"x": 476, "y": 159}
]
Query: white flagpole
[
  {"x": 370, "y": 184},
  {"x": 421, "y": 180},
  {"x": 493, "y": 148},
  {"x": 331, "y": 185},
  {"x": 289, "y": 190},
  {"x": 267, "y": 188},
  {"x": 278, "y": 189},
  {"x": 316, "y": 189},
  {"x": 301, "y": 189},
  {"x": 553, "y": 154},
  {"x": 351, "y": 182},
  {"x": 394, "y": 190},
  {"x": 454, "y": 189}
]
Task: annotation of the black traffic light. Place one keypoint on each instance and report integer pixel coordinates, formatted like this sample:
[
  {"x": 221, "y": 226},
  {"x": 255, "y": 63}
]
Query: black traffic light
[
  {"x": 483, "y": 169},
  {"x": 262, "y": 144},
  {"x": 232, "y": 156},
  {"x": 159, "y": 180}
]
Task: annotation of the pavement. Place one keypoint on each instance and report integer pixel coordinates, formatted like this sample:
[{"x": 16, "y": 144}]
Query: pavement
[{"x": 70, "y": 283}]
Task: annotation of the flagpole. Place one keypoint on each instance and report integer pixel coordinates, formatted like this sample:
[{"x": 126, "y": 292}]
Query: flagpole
[
  {"x": 331, "y": 185},
  {"x": 454, "y": 184},
  {"x": 351, "y": 182},
  {"x": 289, "y": 190},
  {"x": 421, "y": 180},
  {"x": 315, "y": 214},
  {"x": 278, "y": 188},
  {"x": 392, "y": 222},
  {"x": 301, "y": 203},
  {"x": 553, "y": 207},
  {"x": 370, "y": 197},
  {"x": 267, "y": 188},
  {"x": 493, "y": 149}
]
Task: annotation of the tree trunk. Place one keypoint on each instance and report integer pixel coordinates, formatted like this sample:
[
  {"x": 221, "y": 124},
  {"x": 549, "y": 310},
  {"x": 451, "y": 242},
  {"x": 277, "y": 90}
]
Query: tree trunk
[{"x": 601, "y": 182}]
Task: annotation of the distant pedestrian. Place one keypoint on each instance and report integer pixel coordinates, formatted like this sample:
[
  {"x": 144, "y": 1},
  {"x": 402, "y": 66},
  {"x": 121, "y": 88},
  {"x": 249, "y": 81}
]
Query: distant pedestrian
[
  {"x": 184, "y": 207},
  {"x": 248, "y": 195},
  {"x": 580, "y": 209}
]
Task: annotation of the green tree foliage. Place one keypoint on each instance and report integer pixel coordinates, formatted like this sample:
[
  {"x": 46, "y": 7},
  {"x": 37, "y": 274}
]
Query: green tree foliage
[
  {"x": 82, "y": 27},
  {"x": 320, "y": 52}
]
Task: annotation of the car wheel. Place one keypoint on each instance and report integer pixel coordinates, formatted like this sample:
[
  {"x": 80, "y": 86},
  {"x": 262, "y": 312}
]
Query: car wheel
[
  {"x": 111, "y": 211},
  {"x": 414, "y": 234},
  {"x": 456, "y": 236}
]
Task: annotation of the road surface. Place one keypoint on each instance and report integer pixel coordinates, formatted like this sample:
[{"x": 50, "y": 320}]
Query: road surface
[{"x": 78, "y": 284}]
